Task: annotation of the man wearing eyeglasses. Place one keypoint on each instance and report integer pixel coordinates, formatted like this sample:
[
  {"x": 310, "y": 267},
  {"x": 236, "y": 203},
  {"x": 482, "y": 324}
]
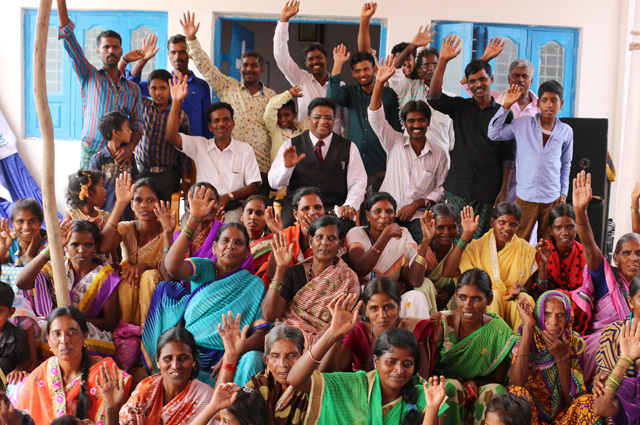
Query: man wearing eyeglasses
[{"x": 323, "y": 159}]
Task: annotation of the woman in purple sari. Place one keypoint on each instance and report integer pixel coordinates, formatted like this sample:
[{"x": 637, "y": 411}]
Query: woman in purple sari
[{"x": 603, "y": 295}]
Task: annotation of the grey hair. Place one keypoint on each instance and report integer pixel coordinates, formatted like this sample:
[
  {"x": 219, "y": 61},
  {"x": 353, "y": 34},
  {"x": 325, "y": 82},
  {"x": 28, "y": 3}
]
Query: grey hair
[
  {"x": 557, "y": 298},
  {"x": 442, "y": 210},
  {"x": 626, "y": 238},
  {"x": 285, "y": 332},
  {"x": 521, "y": 63}
]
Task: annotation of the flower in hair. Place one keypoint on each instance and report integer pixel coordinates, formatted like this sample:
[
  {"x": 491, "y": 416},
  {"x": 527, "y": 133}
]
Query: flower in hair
[
  {"x": 84, "y": 190},
  {"x": 411, "y": 407}
]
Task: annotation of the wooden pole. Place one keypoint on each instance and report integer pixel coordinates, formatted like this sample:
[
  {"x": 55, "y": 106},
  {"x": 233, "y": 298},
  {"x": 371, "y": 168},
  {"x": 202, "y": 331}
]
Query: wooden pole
[{"x": 48, "y": 153}]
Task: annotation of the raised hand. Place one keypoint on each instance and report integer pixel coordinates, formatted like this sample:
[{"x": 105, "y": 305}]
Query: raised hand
[
  {"x": 386, "y": 69},
  {"x": 340, "y": 55},
  {"x": 110, "y": 382},
  {"x": 344, "y": 317},
  {"x": 558, "y": 348},
  {"x": 469, "y": 223},
  {"x": 189, "y": 26},
  {"x": 199, "y": 204},
  {"x": 635, "y": 193},
  {"x": 66, "y": 226},
  {"x": 581, "y": 190},
  {"x": 149, "y": 49},
  {"x": 290, "y": 9},
  {"x": 512, "y": 96},
  {"x": 281, "y": 250},
  {"x": 133, "y": 56},
  {"x": 5, "y": 232},
  {"x": 296, "y": 91},
  {"x": 368, "y": 10},
  {"x": 428, "y": 226},
  {"x": 524, "y": 309},
  {"x": 124, "y": 188},
  {"x": 434, "y": 391},
  {"x": 272, "y": 218},
  {"x": 224, "y": 396},
  {"x": 233, "y": 338},
  {"x": 543, "y": 251},
  {"x": 34, "y": 245},
  {"x": 166, "y": 217},
  {"x": 423, "y": 37},
  {"x": 493, "y": 49},
  {"x": 449, "y": 48},
  {"x": 291, "y": 158},
  {"x": 630, "y": 340},
  {"x": 179, "y": 87}
]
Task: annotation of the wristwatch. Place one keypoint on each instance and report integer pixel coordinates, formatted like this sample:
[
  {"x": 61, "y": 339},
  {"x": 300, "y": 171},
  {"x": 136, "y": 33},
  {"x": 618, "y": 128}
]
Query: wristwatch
[{"x": 230, "y": 195}]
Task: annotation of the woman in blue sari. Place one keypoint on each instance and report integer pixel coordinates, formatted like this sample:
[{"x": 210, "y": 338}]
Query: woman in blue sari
[{"x": 216, "y": 288}]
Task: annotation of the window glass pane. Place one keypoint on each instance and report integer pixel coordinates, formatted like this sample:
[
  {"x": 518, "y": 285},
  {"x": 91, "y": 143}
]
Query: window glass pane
[
  {"x": 551, "y": 66},
  {"x": 90, "y": 46},
  {"x": 54, "y": 61},
  {"x": 137, "y": 36},
  {"x": 452, "y": 77},
  {"x": 501, "y": 64}
]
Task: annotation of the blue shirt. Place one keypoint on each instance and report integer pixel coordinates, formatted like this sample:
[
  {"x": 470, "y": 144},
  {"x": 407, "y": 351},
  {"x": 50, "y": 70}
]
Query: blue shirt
[
  {"x": 195, "y": 105},
  {"x": 543, "y": 170}
]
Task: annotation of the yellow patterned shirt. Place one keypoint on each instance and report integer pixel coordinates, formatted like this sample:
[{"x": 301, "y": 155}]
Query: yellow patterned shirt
[{"x": 248, "y": 108}]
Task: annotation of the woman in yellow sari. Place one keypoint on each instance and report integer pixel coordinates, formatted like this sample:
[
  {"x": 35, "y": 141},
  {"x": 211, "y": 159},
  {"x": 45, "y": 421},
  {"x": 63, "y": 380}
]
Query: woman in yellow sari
[
  {"x": 509, "y": 260},
  {"x": 141, "y": 241}
]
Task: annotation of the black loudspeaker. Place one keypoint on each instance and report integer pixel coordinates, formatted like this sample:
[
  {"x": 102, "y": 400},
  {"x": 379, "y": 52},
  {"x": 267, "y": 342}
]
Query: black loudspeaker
[{"x": 590, "y": 154}]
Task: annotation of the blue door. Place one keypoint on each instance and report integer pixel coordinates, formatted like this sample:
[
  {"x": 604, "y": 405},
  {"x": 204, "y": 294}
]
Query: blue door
[
  {"x": 242, "y": 40},
  {"x": 455, "y": 67},
  {"x": 515, "y": 48}
]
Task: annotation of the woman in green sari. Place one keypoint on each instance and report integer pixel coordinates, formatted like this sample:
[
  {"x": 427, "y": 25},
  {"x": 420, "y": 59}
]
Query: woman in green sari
[
  {"x": 472, "y": 349},
  {"x": 389, "y": 394}
]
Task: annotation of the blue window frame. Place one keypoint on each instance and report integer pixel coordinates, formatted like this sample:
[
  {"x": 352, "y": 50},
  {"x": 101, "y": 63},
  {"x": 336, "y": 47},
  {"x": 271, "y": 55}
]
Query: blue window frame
[
  {"x": 553, "y": 52},
  {"x": 63, "y": 89}
]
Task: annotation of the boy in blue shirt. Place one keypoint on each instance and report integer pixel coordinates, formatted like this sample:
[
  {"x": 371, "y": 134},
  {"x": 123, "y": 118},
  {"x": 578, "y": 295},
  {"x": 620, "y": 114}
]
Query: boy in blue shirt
[{"x": 544, "y": 153}]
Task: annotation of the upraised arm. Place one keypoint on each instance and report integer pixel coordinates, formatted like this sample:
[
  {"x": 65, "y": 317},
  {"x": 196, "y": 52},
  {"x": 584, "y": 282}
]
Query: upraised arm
[
  {"x": 423, "y": 38},
  {"x": 340, "y": 57},
  {"x": 493, "y": 49},
  {"x": 448, "y": 52},
  {"x": 282, "y": 251},
  {"x": 147, "y": 52},
  {"x": 385, "y": 71},
  {"x": 63, "y": 15},
  {"x": 179, "y": 91},
  {"x": 364, "y": 38},
  {"x": 581, "y": 198},
  {"x": 470, "y": 224},
  {"x": 635, "y": 208},
  {"x": 109, "y": 236}
]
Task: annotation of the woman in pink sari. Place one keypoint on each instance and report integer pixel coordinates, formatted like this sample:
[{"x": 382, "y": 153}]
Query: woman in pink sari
[{"x": 603, "y": 295}]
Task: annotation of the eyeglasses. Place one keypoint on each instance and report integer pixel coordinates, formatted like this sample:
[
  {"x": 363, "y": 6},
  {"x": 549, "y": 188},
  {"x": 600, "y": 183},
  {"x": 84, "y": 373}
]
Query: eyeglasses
[{"x": 318, "y": 118}]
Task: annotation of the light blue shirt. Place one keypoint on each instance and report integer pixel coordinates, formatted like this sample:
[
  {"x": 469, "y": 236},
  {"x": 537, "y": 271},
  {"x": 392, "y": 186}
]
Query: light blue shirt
[{"x": 543, "y": 171}]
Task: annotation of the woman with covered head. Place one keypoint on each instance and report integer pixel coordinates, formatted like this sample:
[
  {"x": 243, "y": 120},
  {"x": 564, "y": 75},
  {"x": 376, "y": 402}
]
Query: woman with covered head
[
  {"x": 299, "y": 295},
  {"x": 546, "y": 367},
  {"x": 509, "y": 260},
  {"x": 603, "y": 296}
]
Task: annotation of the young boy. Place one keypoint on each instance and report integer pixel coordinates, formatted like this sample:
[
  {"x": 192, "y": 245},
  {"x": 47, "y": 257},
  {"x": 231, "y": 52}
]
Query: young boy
[
  {"x": 114, "y": 126},
  {"x": 15, "y": 356},
  {"x": 508, "y": 409},
  {"x": 543, "y": 161}
]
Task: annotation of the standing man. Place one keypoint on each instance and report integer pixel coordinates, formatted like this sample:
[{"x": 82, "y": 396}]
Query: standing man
[
  {"x": 248, "y": 97},
  {"x": 199, "y": 98},
  {"x": 313, "y": 83},
  {"x": 324, "y": 159},
  {"x": 480, "y": 167},
  {"x": 356, "y": 98},
  {"x": 103, "y": 90},
  {"x": 228, "y": 164}
]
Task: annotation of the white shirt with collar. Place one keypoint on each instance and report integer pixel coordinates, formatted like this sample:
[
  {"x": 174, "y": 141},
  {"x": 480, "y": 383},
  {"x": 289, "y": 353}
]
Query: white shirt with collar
[
  {"x": 228, "y": 170},
  {"x": 279, "y": 175}
]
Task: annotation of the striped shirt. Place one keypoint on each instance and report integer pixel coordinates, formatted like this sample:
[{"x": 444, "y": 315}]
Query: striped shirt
[
  {"x": 99, "y": 94},
  {"x": 154, "y": 150}
]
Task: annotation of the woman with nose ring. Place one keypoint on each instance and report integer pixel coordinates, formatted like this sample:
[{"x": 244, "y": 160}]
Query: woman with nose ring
[
  {"x": 509, "y": 260},
  {"x": 283, "y": 347},
  {"x": 472, "y": 349},
  {"x": 546, "y": 367},
  {"x": 299, "y": 295},
  {"x": 383, "y": 248}
]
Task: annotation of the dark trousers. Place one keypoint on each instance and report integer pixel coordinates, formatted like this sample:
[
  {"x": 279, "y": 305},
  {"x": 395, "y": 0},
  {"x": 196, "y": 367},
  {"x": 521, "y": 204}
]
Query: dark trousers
[{"x": 414, "y": 228}]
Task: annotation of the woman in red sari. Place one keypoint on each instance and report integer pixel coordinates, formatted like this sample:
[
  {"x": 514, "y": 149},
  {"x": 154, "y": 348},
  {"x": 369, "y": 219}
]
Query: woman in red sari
[{"x": 253, "y": 218}]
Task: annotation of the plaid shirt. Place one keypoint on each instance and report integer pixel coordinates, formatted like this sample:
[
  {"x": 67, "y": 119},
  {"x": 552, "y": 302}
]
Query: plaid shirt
[
  {"x": 154, "y": 150},
  {"x": 99, "y": 94}
]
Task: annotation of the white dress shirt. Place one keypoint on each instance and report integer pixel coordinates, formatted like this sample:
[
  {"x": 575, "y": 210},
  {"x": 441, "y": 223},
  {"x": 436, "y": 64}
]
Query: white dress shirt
[
  {"x": 279, "y": 175},
  {"x": 228, "y": 170}
]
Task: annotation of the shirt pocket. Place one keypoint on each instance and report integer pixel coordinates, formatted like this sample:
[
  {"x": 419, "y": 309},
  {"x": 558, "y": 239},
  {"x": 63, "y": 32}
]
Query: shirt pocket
[{"x": 420, "y": 179}]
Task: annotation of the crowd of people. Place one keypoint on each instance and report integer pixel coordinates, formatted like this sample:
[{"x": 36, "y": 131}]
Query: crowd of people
[{"x": 349, "y": 253}]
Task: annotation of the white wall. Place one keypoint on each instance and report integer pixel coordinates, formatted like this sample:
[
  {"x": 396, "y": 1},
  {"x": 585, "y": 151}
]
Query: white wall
[{"x": 602, "y": 57}]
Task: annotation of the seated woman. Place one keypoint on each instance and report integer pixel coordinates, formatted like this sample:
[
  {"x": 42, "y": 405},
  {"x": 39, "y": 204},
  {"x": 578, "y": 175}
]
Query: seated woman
[
  {"x": 92, "y": 286},
  {"x": 510, "y": 261},
  {"x": 174, "y": 396},
  {"x": 602, "y": 297},
  {"x": 253, "y": 218},
  {"x": 384, "y": 248},
  {"x": 389, "y": 394},
  {"x": 381, "y": 299},
  {"x": 216, "y": 287},
  {"x": 141, "y": 241},
  {"x": 307, "y": 206},
  {"x": 617, "y": 397},
  {"x": 299, "y": 295},
  {"x": 282, "y": 349},
  {"x": 68, "y": 384},
  {"x": 22, "y": 243},
  {"x": 609, "y": 347},
  {"x": 472, "y": 349},
  {"x": 436, "y": 287},
  {"x": 546, "y": 367}
]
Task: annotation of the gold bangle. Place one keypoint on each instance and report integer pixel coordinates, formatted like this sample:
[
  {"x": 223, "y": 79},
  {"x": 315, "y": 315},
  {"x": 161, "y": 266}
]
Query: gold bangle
[
  {"x": 313, "y": 358},
  {"x": 275, "y": 286},
  {"x": 421, "y": 260},
  {"x": 635, "y": 210},
  {"x": 231, "y": 196}
]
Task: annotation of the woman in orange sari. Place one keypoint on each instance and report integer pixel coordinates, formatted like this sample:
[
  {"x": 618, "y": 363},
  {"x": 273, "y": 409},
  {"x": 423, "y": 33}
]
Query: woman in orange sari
[{"x": 69, "y": 383}]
